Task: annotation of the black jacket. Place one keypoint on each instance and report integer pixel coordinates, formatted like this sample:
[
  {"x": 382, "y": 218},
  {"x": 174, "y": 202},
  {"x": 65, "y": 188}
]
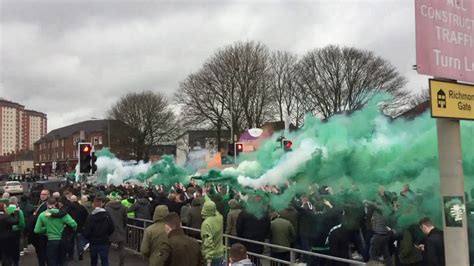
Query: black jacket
[
  {"x": 434, "y": 248},
  {"x": 98, "y": 227},
  {"x": 6, "y": 223},
  {"x": 79, "y": 214},
  {"x": 249, "y": 226},
  {"x": 174, "y": 206}
]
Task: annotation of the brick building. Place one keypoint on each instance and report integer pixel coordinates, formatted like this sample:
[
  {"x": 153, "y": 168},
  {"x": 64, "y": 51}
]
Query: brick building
[
  {"x": 57, "y": 151},
  {"x": 19, "y": 127}
]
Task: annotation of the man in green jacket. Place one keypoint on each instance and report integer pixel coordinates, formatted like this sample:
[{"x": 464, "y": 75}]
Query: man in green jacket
[
  {"x": 154, "y": 242},
  {"x": 211, "y": 234},
  {"x": 53, "y": 228},
  {"x": 17, "y": 228},
  {"x": 283, "y": 234}
]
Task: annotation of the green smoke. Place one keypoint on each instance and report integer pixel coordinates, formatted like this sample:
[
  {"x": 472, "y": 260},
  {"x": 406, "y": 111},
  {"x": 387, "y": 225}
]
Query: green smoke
[{"x": 354, "y": 153}]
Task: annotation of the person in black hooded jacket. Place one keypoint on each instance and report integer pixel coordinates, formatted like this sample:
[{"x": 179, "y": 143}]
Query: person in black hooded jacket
[
  {"x": 6, "y": 234},
  {"x": 97, "y": 229}
]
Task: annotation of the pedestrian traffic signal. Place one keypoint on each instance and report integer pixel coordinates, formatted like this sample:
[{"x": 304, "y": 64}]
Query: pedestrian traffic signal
[
  {"x": 287, "y": 144},
  {"x": 85, "y": 158},
  {"x": 93, "y": 159}
]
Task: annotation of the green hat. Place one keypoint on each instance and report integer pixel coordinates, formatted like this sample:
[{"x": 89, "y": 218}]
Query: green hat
[{"x": 114, "y": 196}]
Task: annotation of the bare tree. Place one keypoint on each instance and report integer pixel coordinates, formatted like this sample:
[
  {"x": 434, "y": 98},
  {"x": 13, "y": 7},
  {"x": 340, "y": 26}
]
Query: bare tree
[
  {"x": 232, "y": 88},
  {"x": 149, "y": 118},
  {"x": 284, "y": 90},
  {"x": 334, "y": 79}
]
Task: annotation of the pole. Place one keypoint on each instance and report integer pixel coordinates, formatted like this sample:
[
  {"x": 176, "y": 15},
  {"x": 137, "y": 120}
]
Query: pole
[
  {"x": 108, "y": 129},
  {"x": 452, "y": 184},
  {"x": 232, "y": 125}
]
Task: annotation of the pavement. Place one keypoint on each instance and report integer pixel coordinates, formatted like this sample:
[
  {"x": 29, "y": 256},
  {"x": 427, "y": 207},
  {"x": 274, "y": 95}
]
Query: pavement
[{"x": 29, "y": 259}]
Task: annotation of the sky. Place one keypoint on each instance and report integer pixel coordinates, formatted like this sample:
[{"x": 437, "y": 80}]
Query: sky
[{"x": 74, "y": 59}]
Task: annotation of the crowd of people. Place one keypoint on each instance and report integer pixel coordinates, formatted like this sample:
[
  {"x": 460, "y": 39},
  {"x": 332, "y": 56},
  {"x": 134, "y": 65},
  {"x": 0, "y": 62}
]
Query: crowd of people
[{"x": 81, "y": 217}]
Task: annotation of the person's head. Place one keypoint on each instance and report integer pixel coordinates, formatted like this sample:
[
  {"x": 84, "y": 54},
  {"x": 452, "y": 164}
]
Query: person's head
[
  {"x": 44, "y": 195},
  {"x": 63, "y": 201},
  {"x": 84, "y": 198},
  {"x": 24, "y": 199},
  {"x": 381, "y": 190},
  {"x": 237, "y": 253},
  {"x": 172, "y": 222},
  {"x": 98, "y": 202},
  {"x": 172, "y": 197},
  {"x": 13, "y": 201},
  {"x": 6, "y": 195},
  {"x": 56, "y": 195},
  {"x": 73, "y": 198},
  {"x": 51, "y": 203},
  {"x": 426, "y": 225}
]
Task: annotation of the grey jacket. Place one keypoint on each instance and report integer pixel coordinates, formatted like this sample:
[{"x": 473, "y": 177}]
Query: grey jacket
[
  {"x": 118, "y": 213},
  {"x": 142, "y": 209}
]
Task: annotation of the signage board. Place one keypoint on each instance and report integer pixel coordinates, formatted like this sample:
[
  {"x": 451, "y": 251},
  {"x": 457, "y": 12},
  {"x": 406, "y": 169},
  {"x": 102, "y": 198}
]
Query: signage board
[
  {"x": 451, "y": 100},
  {"x": 445, "y": 38}
]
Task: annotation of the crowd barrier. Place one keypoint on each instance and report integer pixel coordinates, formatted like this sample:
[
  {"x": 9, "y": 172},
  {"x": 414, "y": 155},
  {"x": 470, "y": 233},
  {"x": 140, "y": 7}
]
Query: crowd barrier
[{"x": 136, "y": 227}]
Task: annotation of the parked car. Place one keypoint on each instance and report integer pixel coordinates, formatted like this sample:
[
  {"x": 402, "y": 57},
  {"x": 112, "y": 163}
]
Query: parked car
[{"x": 13, "y": 187}]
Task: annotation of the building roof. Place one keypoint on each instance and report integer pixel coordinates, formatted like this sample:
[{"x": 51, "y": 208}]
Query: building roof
[
  {"x": 415, "y": 111},
  {"x": 4, "y": 102},
  {"x": 88, "y": 126},
  {"x": 25, "y": 156},
  {"x": 35, "y": 113}
]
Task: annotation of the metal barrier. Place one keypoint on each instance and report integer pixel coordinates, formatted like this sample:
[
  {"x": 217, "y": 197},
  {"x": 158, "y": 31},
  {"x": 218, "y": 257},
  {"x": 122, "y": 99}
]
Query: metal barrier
[{"x": 135, "y": 229}]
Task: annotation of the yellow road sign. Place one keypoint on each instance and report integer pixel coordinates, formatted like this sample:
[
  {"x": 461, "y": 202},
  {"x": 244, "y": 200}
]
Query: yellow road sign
[{"x": 451, "y": 100}]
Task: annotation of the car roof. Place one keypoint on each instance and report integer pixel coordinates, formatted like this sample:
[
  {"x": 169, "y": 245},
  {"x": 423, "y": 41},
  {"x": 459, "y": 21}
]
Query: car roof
[
  {"x": 12, "y": 182},
  {"x": 50, "y": 181}
]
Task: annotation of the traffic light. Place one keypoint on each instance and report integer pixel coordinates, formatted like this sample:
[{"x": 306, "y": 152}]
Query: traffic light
[
  {"x": 287, "y": 144},
  {"x": 85, "y": 150},
  {"x": 93, "y": 159},
  {"x": 239, "y": 147}
]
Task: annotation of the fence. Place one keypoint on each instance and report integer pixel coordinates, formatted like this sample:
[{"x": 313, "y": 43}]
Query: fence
[{"x": 135, "y": 229}]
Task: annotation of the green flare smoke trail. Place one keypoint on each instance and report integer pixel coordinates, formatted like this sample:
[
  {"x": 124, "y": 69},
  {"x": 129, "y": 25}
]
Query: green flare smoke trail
[{"x": 354, "y": 154}]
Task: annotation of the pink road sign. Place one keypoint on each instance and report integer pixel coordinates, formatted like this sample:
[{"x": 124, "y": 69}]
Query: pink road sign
[{"x": 445, "y": 38}]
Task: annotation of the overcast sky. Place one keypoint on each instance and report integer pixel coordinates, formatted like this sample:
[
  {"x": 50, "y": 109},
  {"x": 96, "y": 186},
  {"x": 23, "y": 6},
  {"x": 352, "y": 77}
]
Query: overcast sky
[{"x": 73, "y": 59}]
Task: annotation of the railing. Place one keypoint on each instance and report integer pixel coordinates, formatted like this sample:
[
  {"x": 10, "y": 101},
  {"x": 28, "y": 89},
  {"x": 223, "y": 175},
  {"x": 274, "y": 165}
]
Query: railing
[{"x": 135, "y": 229}]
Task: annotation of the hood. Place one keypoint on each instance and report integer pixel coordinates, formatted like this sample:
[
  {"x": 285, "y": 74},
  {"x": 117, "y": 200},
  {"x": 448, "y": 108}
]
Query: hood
[
  {"x": 97, "y": 210},
  {"x": 161, "y": 211},
  {"x": 115, "y": 205},
  {"x": 196, "y": 202},
  {"x": 143, "y": 201},
  {"x": 234, "y": 204},
  {"x": 209, "y": 209}
]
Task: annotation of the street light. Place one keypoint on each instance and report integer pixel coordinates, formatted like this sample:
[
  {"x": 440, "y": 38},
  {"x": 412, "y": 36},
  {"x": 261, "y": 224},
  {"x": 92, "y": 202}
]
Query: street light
[{"x": 108, "y": 130}]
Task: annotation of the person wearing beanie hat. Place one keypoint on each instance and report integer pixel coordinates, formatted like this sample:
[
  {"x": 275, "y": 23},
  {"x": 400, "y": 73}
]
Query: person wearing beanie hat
[
  {"x": 232, "y": 216},
  {"x": 118, "y": 213}
]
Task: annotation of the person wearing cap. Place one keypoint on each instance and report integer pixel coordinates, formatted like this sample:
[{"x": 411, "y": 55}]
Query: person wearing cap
[
  {"x": 154, "y": 242},
  {"x": 118, "y": 213},
  {"x": 128, "y": 203}
]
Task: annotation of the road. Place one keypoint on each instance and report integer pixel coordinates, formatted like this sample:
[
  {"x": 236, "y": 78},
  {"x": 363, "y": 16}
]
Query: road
[{"x": 130, "y": 259}]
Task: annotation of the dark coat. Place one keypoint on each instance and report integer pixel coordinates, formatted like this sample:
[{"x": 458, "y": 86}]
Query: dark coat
[
  {"x": 195, "y": 219},
  {"x": 249, "y": 226},
  {"x": 174, "y": 206},
  {"x": 183, "y": 250},
  {"x": 118, "y": 213},
  {"x": 98, "y": 227},
  {"x": 142, "y": 209},
  {"x": 79, "y": 213},
  {"x": 291, "y": 214},
  {"x": 339, "y": 245},
  {"x": 434, "y": 248}
]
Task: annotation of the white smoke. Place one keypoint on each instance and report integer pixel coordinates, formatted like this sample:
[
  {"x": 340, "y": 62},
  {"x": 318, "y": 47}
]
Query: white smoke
[
  {"x": 118, "y": 170},
  {"x": 287, "y": 167}
]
